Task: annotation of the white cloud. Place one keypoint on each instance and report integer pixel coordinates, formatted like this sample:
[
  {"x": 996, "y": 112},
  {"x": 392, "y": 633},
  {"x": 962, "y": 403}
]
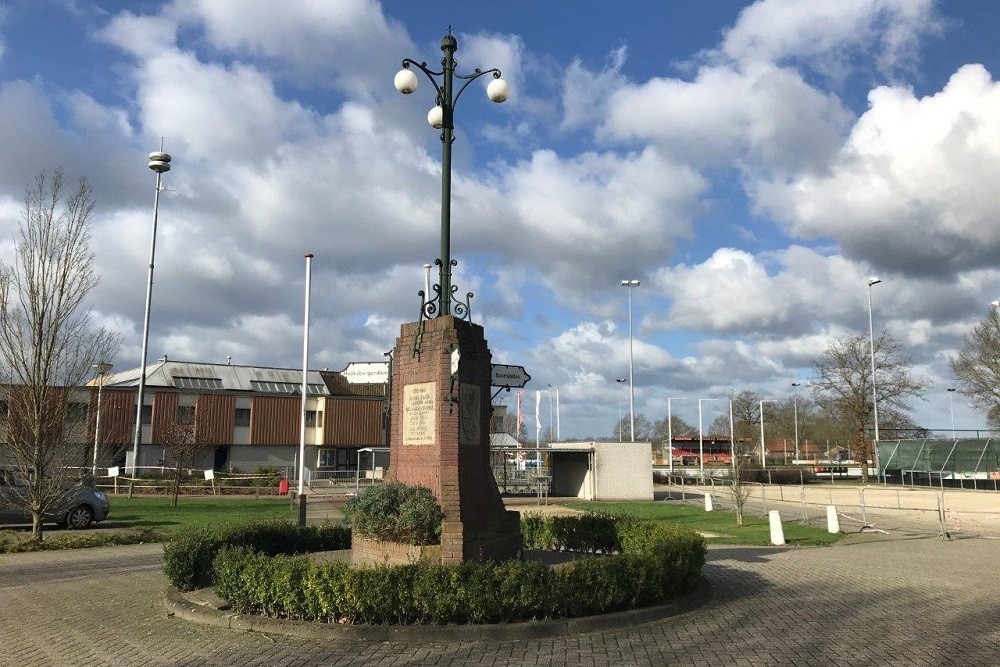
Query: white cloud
[
  {"x": 762, "y": 114},
  {"x": 913, "y": 189},
  {"x": 586, "y": 94},
  {"x": 826, "y": 33}
]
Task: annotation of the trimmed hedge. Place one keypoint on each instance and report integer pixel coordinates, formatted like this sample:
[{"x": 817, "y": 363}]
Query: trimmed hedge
[
  {"x": 396, "y": 512},
  {"x": 653, "y": 562},
  {"x": 187, "y": 560}
]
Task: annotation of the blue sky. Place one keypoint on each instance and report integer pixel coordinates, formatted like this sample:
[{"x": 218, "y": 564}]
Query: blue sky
[{"x": 751, "y": 163}]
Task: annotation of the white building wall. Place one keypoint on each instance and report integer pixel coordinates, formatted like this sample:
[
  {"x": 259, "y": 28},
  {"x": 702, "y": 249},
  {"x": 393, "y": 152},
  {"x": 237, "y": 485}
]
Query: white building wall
[{"x": 621, "y": 470}]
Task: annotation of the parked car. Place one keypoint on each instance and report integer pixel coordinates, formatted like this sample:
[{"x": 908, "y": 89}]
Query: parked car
[{"x": 82, "y": 506}]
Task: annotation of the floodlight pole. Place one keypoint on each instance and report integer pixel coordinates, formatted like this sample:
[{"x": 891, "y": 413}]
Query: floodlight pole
[
  {"x": 159, "y": 162},
  {"x": 305, "y": 394}
]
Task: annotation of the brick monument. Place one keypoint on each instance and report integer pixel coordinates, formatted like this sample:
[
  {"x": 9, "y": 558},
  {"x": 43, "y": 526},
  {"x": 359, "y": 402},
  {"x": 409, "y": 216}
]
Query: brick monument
[{"x": 440, "y": 436}]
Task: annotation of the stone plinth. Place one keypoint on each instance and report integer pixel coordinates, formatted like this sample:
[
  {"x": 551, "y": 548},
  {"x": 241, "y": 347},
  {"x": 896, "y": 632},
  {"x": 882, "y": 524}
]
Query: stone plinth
[
  {"x": 439, "y": 435},
  {"x": 375, "y": 552}
]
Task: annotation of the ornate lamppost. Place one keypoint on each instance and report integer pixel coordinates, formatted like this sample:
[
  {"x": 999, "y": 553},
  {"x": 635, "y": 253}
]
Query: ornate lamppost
[{"x": 441, "y": 117}]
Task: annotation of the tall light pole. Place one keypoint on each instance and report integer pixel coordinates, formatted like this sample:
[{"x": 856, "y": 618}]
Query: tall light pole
[
  {"x": 871, "y": 338},
  {"x": 951, "y": 406},
  {"x": 551, "y": 432},
  {"x": 629, "y": 284},
  {"x": 557, "y": 411},
  {"x": 159, "y": 162},
  {"x": 701, "y": 438},
  {"x": 101, "y": 369},
  {"x": 621, "y": 384},
  {"x": 763, "y": 449},
  {"x": 670, "y": 434},
  {"x": 305, "y": 391},
  {"x": 441, "y": 117},
  {"x": 795, "y": 408}
]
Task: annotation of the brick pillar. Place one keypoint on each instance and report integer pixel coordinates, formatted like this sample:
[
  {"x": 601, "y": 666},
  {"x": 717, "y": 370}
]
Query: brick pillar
[{"x": 440, "y": 435}]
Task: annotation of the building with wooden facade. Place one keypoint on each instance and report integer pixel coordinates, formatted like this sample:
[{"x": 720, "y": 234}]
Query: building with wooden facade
[{"x": 243, "y": 417}]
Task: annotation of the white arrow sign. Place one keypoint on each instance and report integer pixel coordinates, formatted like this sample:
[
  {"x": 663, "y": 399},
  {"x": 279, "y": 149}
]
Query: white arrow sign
[
  {"x": 509, "y": 376},
  {"x": 370, "y": 372}
]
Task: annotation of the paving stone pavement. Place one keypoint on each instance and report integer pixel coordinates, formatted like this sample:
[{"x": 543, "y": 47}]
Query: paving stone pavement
[{"x": 872, "y": 600}]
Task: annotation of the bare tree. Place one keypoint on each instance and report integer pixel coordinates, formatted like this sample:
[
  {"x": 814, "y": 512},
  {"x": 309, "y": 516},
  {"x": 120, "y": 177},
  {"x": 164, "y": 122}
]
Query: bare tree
[
  {"x": 844, "y": 381},
  {"x": 977, "y": 366},
  {"x": 48, "y": 340},
  {"x": 678, "y": 428},
  {"x": 182, "y": 447},
  {"x": 643, "y": 429},
  {"x": 739, "y": 422}
]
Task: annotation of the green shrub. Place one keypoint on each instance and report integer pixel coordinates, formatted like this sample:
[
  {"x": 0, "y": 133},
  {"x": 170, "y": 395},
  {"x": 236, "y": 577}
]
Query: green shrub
[
  {"x": 654, "y": 563},
  {"x": 188, "y": 559},
  {"x": 394, "y": 512},
  {"x": 19, "y": 541}
]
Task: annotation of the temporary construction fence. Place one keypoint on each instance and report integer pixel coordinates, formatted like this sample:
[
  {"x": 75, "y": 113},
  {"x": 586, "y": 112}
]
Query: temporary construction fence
[
  {"x": 971, "y": 463},
  {"x": 873, "y": 507}
]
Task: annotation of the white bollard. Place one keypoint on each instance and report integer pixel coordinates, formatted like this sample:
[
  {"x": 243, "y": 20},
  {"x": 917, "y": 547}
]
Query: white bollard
[
  {"x": 777, "y": 532},
  {"x": 708, "y": 502},
  {"x": 832, "y": 521}
]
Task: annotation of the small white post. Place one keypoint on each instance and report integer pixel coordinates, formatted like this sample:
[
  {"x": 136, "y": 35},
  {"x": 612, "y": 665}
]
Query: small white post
[
  {"x": 777, "y": 532},
  {"x": 832, "y": 521},
  {"x": 708, "y": 502}
]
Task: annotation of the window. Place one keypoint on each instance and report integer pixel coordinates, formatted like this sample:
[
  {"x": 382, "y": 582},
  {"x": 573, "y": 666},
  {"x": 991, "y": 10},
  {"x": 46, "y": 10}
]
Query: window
[
  {"x": 242, "y": 417},
  {"x": 198, "y": 383},
  {"x": 341, "y": 458},
  {"x": 185, "y": 414},
  {"x": 147, "y": 415},
  {"x": 314, "y": 419},
  {"x": 286, "y": 387}
]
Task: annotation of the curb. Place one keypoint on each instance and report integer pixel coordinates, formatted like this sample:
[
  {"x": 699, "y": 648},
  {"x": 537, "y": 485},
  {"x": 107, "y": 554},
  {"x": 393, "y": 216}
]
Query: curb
[{"x": 181, "y": 607}]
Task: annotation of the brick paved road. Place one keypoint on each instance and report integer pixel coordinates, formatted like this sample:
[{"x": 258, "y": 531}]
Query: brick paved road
[{"x": 870, "y": 601}]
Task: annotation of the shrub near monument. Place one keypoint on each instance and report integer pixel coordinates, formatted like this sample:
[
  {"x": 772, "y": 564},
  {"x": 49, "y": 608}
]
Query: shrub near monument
[
  {"x": 634, "y": 563},
  {"x": 394, "y": 524}
]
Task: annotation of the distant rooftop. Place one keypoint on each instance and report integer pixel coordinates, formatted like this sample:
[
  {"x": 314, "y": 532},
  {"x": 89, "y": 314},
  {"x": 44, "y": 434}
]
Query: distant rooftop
[{"x": 231, "y": 377}]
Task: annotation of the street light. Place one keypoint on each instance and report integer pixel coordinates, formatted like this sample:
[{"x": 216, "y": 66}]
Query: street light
[
  {"x": 441, "y": 116},
  {"x": 795, "y": 408},
  {"x": 701, "y": 439},
  {"x": 101, "y": 370},
  {"x": 951, "y": 405},
  {"x": 670, "y": 433},
  {"x": 159, "y": 162},
  {"x": 629, "y": 284},
  {"x": 763, "y": 461},
  {"x": 621, "y": 385}
]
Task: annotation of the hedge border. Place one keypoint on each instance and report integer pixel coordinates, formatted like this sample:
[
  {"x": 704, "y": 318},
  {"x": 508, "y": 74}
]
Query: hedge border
[
  {"x": 646, "y": 563},
  {"x": 188, "y": 560},
  {"x": 182, "y": 607}
]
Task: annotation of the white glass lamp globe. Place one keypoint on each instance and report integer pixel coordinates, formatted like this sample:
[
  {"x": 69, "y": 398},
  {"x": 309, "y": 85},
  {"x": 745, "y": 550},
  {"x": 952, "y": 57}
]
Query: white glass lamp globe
[
  {"x": 435, "y": 117},
  {"x": 405, "y": 81},
  {"x": 498, "y": 90}
]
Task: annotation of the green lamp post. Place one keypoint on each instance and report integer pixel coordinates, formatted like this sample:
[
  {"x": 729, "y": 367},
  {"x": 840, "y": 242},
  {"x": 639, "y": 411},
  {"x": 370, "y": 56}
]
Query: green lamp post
[{"x": 441, "y": 117}]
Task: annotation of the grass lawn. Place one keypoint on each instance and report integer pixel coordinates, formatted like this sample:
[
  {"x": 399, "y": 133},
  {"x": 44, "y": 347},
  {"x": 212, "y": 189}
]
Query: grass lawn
[
  {"x": 754, "y": 531},
  {"x": 156, "y": 513},
  {"x": 151, "y": 519}
]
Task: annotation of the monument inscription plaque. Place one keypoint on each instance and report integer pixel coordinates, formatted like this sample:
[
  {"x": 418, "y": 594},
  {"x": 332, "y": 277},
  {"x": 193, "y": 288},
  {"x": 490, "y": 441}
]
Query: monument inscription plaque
[{"x": 418, "y": 413}]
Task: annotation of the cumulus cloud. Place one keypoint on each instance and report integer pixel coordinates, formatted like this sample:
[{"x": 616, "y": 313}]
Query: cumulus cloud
[
  {"x": 761, "y": 114},
  {"x": 827, "y": 34},
  {"x": 913, "y": 189}
]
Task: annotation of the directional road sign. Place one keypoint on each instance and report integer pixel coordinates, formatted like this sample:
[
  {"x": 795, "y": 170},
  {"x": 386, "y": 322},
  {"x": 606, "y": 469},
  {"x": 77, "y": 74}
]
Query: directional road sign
[{"x": 509, "y": 376}]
